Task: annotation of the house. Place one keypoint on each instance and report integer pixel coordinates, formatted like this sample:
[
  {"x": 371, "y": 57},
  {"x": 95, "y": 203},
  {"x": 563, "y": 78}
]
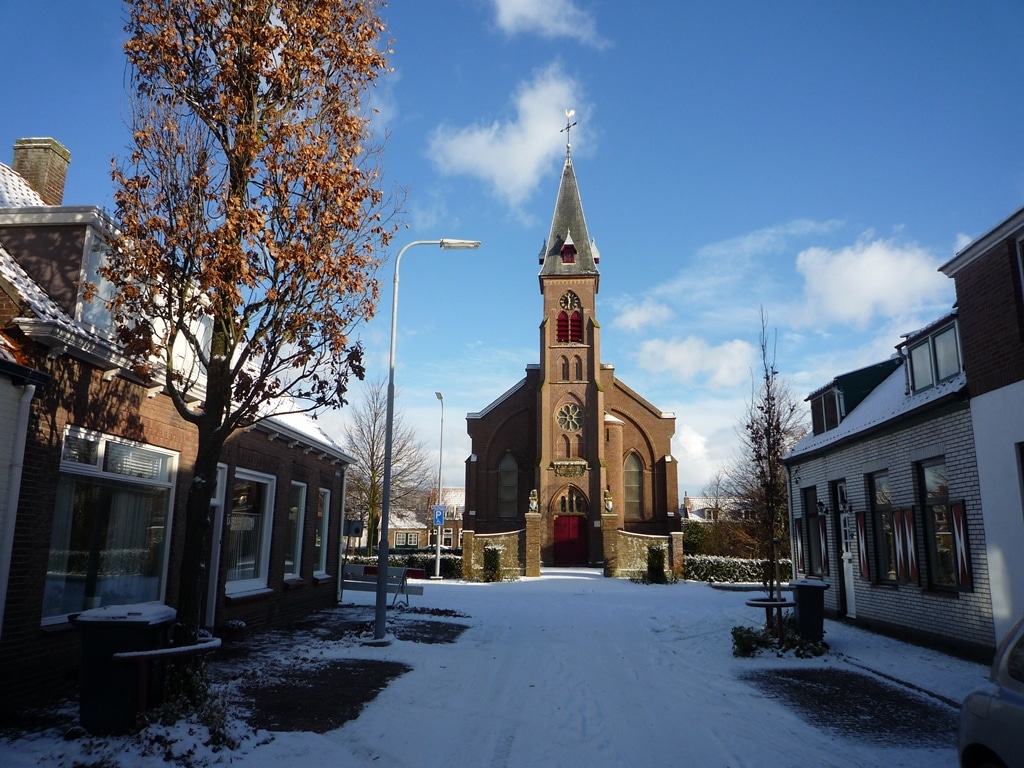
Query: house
[
  {"x": 96, "y": 515},
  {"x": 884, "y": 499},
  {"x": 454, "y": 500},
  {"x": 989, "y": 276},
  {"x": 570, "y": 465},
  {"x": 407, "y": 529}
]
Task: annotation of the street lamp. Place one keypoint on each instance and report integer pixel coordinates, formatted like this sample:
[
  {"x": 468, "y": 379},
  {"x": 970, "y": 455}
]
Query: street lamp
[
  {"x": 440, "y": 491},
  {"x": 381, "y": 617}
]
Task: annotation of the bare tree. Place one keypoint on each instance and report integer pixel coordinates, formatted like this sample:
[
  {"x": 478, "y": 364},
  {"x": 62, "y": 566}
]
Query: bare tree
[
  {"x": 250, "y": 214},
  {"x": 716, "y": 491},
  {"x": 411, "y": 475},
  {"x": 772, "y": 425}
]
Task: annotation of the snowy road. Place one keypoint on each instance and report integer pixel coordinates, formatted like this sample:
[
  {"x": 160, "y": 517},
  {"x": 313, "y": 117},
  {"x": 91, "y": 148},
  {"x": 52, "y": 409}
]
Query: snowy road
[
  {"x": 576, "y": 670},
  {"x": 571, "y": 670}
]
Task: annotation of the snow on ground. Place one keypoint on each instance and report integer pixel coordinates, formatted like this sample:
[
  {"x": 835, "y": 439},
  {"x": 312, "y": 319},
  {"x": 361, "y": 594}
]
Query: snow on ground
[{"x": 573, "y": 669}]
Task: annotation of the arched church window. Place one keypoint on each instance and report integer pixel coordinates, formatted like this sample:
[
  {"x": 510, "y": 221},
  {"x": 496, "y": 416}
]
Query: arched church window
[
  {"x": 563, "y": 447},
  {"x": 578, "y": 366},
  {"x": 564, "y": 365},
  {"x": 508, "y": 486},
  {"x": 573, "y": 502},
  {"x": 633, "y": 487}
]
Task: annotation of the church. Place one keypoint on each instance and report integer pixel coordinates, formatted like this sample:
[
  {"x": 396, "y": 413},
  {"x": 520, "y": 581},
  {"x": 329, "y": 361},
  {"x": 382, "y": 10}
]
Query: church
[{"x": 570, "y": 452}]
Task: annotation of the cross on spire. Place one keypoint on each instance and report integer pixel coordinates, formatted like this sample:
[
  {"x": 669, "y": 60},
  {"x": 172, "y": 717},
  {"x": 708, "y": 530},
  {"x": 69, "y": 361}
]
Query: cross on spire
[{"x": 569, "y": 125}]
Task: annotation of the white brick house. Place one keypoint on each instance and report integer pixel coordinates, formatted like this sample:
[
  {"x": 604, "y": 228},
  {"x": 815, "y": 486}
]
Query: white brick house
[{"x": 885, "y": 504}]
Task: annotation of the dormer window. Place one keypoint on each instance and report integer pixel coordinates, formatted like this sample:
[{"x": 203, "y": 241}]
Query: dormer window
[
  {"x": 825, "y": 411},
  {"x": 935, "y": 358},
  {"x": 568, "y": 250}
]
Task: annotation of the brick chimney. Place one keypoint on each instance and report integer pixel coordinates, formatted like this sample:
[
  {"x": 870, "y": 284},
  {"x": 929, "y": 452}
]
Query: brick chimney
[{"x": 43, "y": 163}]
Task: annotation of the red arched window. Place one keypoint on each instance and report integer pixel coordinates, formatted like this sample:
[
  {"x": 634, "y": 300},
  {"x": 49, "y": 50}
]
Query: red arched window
[
  {"x": 576, "y": 327},
  {"x": 562, "y": 328}
]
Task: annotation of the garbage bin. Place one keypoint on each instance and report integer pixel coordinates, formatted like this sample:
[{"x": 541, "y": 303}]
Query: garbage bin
[
  {"x": 809, "y": 612},
  {"x": 108, "y": 688}
]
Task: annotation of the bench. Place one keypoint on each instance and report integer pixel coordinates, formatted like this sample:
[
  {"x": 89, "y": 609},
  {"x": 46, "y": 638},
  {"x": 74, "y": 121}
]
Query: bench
[
  {"x": 171, "y": 653},
  {"x": 363, "y": 578}
]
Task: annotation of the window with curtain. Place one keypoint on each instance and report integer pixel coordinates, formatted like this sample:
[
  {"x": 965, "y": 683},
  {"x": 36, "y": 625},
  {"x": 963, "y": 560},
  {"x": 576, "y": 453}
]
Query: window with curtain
[
  {"x": 248, "y": 534},
  {"x": 885, "y": 526},
  {"x": 108, "y": 543},
  {"x": 633, "y": 487}
]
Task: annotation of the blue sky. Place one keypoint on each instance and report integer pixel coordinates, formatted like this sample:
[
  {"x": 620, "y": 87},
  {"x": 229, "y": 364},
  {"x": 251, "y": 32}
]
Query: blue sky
[{"x": 818, "y": 159}]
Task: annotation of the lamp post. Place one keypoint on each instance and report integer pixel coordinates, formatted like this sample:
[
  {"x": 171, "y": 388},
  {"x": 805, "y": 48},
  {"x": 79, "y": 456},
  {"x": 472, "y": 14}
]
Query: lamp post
[
  {"x": 381, "y": 617},
  {"x": 440, "y": 491}
]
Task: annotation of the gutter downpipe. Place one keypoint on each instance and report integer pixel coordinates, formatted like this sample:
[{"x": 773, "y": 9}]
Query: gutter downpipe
[{"x": 14, "y": 470}]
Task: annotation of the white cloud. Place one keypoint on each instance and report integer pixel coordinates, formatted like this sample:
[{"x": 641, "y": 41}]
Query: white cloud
[
  {"x": 961, "y": 242},
  {"x": 725, "y": 365},
  {"x": 548, "y": 18},
  {"x": 645, "y": 315},
  {"x": 872, "y": 277},
  {"x": 513, "y": 155}
]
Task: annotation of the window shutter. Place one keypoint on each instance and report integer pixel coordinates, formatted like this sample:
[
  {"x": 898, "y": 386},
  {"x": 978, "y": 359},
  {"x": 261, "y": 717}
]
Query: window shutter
[
  {"x": 823, "y": 532},
  {"x": 963, "y": 563},
  {"x": 800, "y": 544},
  {"x": 901, "y": 551},
  {"x": 862, "y": 546},
  {"x": 907, "y": 513}
]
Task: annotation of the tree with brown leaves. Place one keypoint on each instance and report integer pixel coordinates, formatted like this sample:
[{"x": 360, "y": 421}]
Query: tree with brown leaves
[{"x": 251, "y": 218}]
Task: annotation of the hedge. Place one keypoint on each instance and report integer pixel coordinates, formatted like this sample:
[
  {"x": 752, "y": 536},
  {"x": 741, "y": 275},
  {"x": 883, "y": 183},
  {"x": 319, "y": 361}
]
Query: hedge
[{"x": 731, "y": 569}]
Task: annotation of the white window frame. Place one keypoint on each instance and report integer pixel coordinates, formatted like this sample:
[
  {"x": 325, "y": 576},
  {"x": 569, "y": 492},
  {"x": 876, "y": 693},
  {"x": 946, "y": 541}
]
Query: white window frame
[
  {"x": 927, "y": 346},
  {"x": 216, "y": 544},
  {"x": 297, "y": 533},
  {"x": 258, "y": 583},
  {"x": 323, "y": 527},
  {"x": 96, "y": 468}
]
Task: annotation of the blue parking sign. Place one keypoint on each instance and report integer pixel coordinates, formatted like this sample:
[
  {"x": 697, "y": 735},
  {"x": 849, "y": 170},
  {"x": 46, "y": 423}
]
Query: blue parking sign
[{"x": 438, "y": 510}]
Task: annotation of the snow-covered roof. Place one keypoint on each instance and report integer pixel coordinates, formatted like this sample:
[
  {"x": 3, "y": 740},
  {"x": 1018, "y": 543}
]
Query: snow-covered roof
[
  {"x": 405, "y": 518},
  {"x": 15, "y": 192},
  {"x": 45, "y": 311},
  {"x": 887, "y": 402}
]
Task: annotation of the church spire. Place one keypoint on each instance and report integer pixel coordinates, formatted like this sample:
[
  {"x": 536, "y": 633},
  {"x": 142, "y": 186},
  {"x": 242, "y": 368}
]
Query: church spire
[{"x": 568, "y": 249}]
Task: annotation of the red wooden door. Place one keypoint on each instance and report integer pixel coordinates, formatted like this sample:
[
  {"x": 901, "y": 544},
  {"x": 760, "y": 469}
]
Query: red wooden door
[{"x": 570, "y": 540}]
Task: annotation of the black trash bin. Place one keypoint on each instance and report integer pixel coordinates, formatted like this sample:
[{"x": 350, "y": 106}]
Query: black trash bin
[
  {"x": 809, "y": 596},
  {"x": 109, "y": 688}
]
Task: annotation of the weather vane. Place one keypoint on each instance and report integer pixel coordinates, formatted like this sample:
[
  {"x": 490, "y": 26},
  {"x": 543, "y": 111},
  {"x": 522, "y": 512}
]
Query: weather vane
[{"x": 569, "y": 125}]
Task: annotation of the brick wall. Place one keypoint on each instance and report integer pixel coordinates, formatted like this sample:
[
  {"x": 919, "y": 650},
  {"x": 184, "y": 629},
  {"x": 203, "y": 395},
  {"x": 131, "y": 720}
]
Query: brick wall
[
  {"x": 37, "y": 660},
  {"x": 992, "y": 319}
]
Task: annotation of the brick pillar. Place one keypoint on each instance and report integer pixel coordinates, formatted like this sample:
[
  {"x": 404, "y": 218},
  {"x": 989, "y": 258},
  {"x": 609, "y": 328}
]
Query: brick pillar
[
  {"x": 610, "y": 535},
  {"x": 468, "y": 547},
  {"x": 676, "y": 557},
  {"x": 532, "y": 544}
]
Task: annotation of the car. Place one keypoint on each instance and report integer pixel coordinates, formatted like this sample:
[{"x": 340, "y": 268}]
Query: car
[{"x": 991, "y": 732}]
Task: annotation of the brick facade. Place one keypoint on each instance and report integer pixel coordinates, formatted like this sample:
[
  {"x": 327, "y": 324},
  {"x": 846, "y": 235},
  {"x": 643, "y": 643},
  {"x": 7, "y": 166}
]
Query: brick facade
[
  {"x": 38, "y": 653},
  {"x": 569, "y": 426}
]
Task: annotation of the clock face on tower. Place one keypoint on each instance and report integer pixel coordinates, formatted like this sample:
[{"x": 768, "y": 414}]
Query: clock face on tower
[
  {"x": 569, "y": 300},
  {"x": 569, "y": 417}
]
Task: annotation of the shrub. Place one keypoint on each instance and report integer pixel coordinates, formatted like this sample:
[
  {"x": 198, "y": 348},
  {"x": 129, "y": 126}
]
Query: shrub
[
  {"x": 747, "y": 642},
  {"x": 750, "y": 642},
  {"x": 656, "y": 565},
  {"x": 492, "y": 563}
]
